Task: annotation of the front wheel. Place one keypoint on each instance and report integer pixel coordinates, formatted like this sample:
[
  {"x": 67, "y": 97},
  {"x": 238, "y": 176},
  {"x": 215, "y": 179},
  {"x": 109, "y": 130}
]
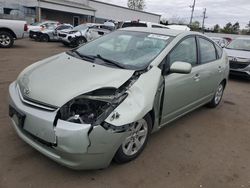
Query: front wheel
[
  {"x": 80, "y": 41},
  {"x": 217, "y": 96},
  {"x": 44, "y": 38},
  {"x": 135, "y": 142}
]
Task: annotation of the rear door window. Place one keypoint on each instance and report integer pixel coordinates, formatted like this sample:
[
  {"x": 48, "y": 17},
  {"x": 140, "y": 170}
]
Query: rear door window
[{"x": 207, "y": 51}]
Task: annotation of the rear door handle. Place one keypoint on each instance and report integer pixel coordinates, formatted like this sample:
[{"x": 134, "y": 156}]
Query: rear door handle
[
  {"x": 196, "y": 77},
  {"x": 220, "y": 69}
]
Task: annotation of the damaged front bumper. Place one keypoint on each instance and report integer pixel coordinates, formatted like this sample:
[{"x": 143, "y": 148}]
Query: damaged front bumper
[{"x": 77, "y": 146}]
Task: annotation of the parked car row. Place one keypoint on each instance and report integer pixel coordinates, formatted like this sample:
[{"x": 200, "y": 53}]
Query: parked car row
[{"x": 67, "y": 34}]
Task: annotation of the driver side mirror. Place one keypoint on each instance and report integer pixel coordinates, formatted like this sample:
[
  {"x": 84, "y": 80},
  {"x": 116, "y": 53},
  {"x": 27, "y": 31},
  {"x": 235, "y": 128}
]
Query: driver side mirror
[{"x": 181, "y": 67}]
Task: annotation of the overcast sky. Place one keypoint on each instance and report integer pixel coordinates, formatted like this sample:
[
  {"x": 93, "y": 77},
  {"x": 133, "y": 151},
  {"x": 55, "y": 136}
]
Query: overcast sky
[{"x": 218, "y": 11}]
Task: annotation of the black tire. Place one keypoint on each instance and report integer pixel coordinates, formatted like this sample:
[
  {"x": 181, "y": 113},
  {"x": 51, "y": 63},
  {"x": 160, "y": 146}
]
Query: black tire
[
  {"x": 218, "y": 93},
  {"x": 121, "y": 157},
  {"x": 6, "y": 39},
  {"x": 44, "y": 38},
  {"x": 66, "y": 44},
  {"x": 80, "y": 41}
]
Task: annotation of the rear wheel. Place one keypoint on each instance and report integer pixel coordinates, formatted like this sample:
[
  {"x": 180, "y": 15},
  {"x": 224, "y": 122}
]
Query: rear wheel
[
  {"x": 6, "y": 39},
  {"x": 217, "y": 96},
  {"x": 136, "y": 141}
]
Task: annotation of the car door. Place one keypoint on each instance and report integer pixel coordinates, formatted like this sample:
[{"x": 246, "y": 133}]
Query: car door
[
  {"x": 210, "y": 69},
  {"x": 181, "y": 90}
]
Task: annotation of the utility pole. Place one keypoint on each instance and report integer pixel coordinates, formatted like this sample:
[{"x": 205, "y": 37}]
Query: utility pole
[
  {"x": 203, "y": 21},
  {"x": 38, "y": 11},
  {"x": 192, "y": 12}
]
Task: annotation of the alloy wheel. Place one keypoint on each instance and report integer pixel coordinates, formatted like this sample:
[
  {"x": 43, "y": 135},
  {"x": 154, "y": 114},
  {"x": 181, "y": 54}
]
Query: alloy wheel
[
  {"x": 134, "y": 142},
  {"x": 5, "y": 40},
  {"x": 218, "y": 94}
]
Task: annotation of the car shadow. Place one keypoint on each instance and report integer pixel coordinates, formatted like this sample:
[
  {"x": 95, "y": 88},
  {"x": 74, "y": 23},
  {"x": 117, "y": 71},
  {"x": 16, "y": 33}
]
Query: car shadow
[{"x": 239, "y": 78}]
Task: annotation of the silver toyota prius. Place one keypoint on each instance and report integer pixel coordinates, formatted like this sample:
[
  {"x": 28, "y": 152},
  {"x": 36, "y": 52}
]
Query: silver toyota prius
[{"x": 100, "y": 102}]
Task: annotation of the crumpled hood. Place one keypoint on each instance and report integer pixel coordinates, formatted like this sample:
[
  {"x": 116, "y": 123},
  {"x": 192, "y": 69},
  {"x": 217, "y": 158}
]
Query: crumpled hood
[
  {"x": 60, "y": 78},
  {"x": 238, "y": 53}
]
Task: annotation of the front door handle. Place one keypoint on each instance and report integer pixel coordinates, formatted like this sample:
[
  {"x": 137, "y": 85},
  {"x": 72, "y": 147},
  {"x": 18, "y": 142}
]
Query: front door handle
[{"x": 196, "y": 77}]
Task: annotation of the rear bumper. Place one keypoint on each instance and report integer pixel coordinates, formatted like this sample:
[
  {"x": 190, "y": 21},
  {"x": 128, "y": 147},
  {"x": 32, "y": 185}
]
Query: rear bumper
[{"x": 76, "y": 146}]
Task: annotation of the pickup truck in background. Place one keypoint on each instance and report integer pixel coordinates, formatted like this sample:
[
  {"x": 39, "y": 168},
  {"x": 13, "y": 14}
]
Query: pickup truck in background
[{"x": 11, "y": 30}]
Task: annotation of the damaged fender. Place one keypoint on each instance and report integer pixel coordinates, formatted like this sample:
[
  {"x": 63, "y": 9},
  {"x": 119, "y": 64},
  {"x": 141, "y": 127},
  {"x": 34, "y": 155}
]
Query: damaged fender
[{"x": 140, "y": 99}]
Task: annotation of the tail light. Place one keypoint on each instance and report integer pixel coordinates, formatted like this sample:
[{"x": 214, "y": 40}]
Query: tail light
[{"x": 25, "y": 27}]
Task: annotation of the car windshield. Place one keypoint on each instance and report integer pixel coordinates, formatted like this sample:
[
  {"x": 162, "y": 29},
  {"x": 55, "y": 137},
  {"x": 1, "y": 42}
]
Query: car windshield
[
  {"x": 240, "y": 44},
  {"x": 35, "y": 24},
  {"x": 131, "y": 50}
]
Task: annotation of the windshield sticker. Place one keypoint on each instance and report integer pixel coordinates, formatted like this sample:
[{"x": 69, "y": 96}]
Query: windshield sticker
[{"x": 162, "y": 37}]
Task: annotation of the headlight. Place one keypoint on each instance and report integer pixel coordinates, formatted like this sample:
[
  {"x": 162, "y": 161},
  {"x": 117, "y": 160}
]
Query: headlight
[{"x": 90, "y": 109}]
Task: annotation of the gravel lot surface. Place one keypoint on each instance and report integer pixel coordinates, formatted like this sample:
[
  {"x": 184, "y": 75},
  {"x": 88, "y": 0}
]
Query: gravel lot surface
[{"x": 206, "y": 148}]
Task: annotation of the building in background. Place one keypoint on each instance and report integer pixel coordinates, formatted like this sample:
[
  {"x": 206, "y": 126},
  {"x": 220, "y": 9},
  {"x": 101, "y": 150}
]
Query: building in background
[{"x": 71, "y": 11}]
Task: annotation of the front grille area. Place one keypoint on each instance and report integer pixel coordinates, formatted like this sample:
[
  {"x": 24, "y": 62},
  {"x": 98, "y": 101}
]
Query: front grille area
[
  {"x": 238, "y": 65},
  {"x": 35, "y": 103},
  {"x": 62, "y": 35}
]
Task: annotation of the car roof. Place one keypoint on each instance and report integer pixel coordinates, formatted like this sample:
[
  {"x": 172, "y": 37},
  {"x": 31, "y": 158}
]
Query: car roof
[
  {"x": 216, "y": 37},
  {"x": 160, "y": 31},
  {"x": 243, "y": 38}
]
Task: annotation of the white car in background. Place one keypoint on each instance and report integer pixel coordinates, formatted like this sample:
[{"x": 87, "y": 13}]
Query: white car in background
[
  {"x": 84, "y": 33},
  {"x": 142, "y": 24},
  {"x": 51, "y": 33},
  {"x": 239, "y": 57},
  {"x": 179, "y": 27},
  {"x": 11, "y": 30},
  {"x": 153, "y": 25},
  {"x": 221, "y": 41},
  {"x": 39, "y": 25}
]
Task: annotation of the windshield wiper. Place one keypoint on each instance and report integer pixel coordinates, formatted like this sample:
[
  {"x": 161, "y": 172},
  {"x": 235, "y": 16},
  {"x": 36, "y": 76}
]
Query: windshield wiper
[
  {"x": 117, "y": 64},
  {"x": 92, "y": 58},
  {"x": 82, "y": 56}
]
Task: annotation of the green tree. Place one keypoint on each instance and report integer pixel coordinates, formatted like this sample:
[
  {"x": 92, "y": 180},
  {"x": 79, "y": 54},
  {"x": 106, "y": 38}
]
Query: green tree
[
  {"x": 136, "y": 4},
  {"x": 195, "y": 26},
  {"x": 236, "y": 28},
  {"x": 248, "y": 28},
  {"x": 227, "y": 28},
  {"x": 217, "y": 28}
]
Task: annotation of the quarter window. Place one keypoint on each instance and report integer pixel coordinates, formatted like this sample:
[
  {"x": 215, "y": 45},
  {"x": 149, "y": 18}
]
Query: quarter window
[
  {"x": 219, "y": 51},
  {"x": 207, "y": 51},
  {"x": 185, "y": 51}
]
